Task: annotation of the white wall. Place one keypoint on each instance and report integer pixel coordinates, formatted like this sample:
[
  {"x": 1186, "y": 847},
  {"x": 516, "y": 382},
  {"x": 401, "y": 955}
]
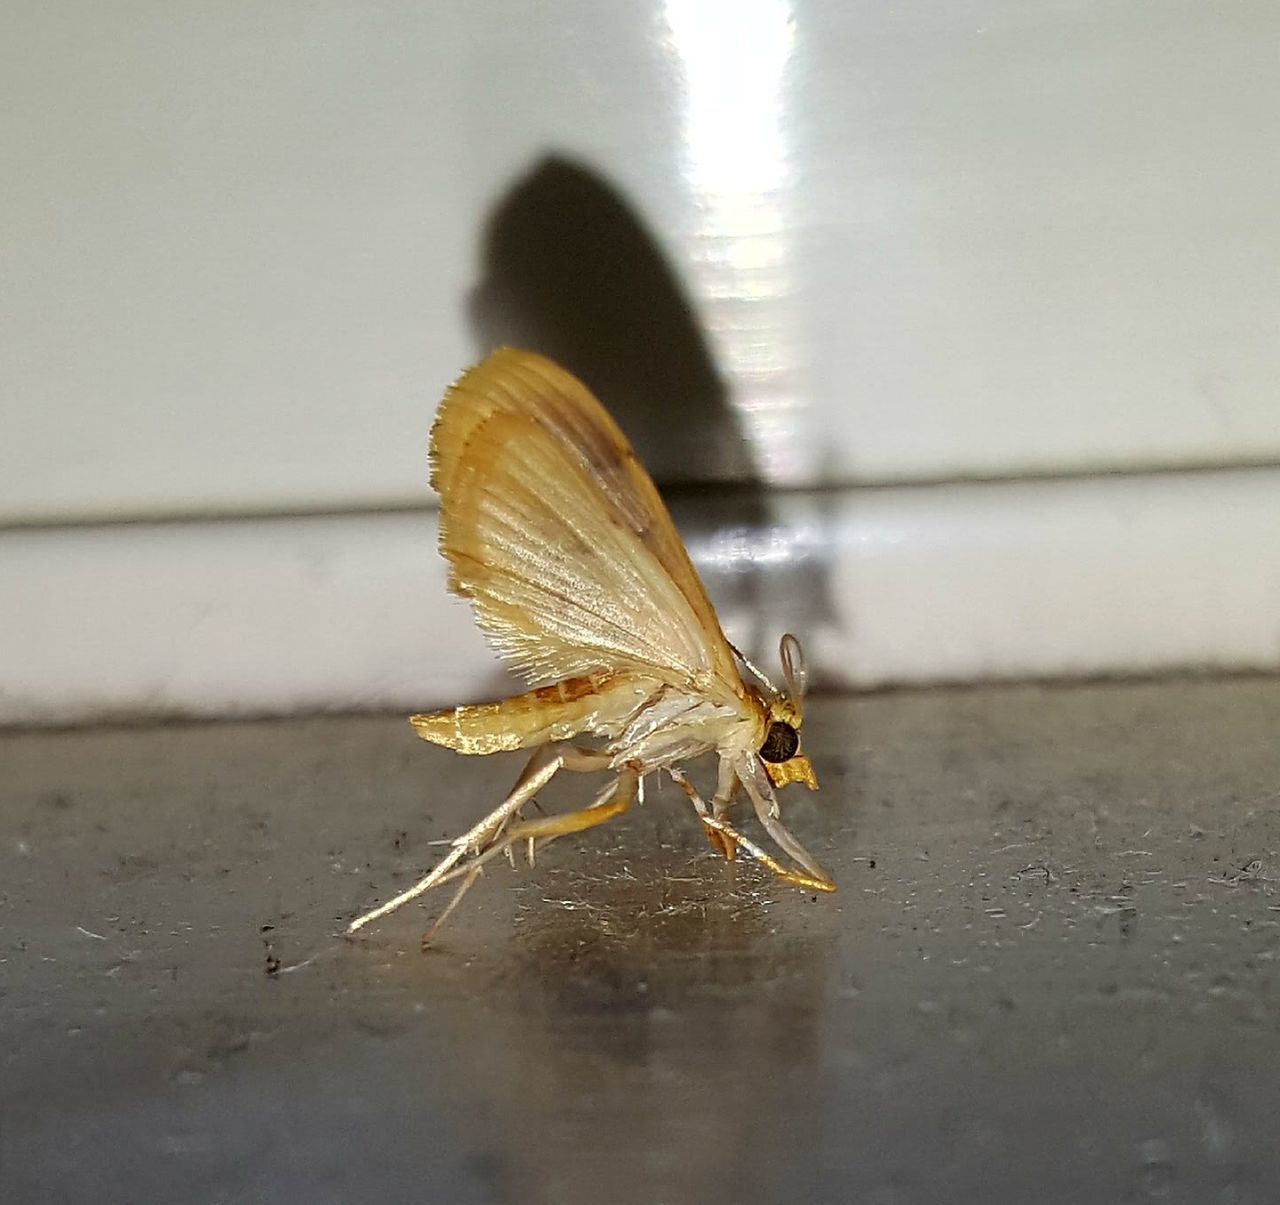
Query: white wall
[{"x": 242, "y": 249}]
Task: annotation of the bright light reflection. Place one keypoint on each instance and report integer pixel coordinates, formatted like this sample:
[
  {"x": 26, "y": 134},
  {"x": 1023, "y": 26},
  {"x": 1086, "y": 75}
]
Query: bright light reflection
[
  {"x": 733, "y": 57},
  {"x": 733, "y": 548}
]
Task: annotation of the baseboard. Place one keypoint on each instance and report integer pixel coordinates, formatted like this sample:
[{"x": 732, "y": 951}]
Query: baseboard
[{"x": 950, "y": 583}]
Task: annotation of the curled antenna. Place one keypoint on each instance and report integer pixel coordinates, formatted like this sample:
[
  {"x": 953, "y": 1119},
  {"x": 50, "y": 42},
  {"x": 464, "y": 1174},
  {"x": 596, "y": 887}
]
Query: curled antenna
[
  {"x": 793, "y": 669},
  {"x": 759, "y": 673}
]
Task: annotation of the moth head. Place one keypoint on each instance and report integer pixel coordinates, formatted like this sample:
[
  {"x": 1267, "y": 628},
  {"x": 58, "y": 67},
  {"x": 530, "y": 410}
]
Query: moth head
[{"x": 780, "y": 749}]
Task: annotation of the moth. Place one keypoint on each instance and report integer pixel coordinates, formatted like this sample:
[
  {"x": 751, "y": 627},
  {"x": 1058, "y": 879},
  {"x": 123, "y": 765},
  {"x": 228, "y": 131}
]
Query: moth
[{"x": 558, "y": 537}]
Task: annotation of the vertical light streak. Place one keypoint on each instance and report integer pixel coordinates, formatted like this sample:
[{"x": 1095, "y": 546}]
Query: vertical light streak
[{"x": 733, "y": 57}]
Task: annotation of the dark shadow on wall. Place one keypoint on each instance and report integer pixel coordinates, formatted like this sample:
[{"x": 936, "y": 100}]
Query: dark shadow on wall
[{"x": 570, "y": 270}]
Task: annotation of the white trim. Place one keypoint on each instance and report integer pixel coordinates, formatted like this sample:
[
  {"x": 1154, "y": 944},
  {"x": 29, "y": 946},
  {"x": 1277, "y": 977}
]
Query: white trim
[{"x": 1108, "y": 575}]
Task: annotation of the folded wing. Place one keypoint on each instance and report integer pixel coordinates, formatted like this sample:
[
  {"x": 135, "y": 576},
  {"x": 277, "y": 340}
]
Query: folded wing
[{"x": 558, "y": 536}]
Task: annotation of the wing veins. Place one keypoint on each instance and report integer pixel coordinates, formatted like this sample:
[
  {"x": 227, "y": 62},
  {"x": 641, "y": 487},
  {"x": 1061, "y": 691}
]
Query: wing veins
[{"x": 558, "y": 537}]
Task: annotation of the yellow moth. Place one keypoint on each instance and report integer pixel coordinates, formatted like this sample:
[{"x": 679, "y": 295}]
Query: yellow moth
[{"x": 557, "y": 535}]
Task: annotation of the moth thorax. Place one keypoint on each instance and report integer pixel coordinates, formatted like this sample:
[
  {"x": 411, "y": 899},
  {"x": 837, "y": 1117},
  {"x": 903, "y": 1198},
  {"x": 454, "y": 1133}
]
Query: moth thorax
[{"x": 780, "y": 743}]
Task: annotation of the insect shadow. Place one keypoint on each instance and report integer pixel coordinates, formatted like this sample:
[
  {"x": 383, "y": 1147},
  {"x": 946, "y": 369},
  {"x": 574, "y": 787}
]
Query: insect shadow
[{"x": 571, "y": 270}]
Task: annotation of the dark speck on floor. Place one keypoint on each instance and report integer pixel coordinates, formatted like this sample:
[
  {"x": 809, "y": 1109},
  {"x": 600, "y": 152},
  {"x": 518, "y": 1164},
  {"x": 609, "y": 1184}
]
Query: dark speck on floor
[{"x": 1049, "y": 975}]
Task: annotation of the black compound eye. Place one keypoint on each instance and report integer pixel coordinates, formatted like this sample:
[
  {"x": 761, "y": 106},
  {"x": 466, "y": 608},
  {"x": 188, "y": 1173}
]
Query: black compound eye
[{"x": 780, "y": 743}]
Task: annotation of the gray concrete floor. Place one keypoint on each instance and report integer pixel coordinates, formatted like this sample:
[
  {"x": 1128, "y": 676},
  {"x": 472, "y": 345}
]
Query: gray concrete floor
[{"x": 1050, "y": 974}]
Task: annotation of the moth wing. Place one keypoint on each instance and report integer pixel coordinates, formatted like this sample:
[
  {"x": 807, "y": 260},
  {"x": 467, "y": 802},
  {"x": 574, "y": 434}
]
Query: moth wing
[{"x": 558, "y": 536}]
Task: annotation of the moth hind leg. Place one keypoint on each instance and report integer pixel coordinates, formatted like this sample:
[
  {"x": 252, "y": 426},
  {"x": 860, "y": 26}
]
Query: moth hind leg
[
  {"x": 540, "y": 770},
  {"x": 615, "y": 799}
]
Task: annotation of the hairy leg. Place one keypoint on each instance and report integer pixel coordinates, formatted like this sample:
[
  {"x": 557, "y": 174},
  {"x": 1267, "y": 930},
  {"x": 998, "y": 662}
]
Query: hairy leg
[
  {"x": 541, "y": 769},
  {"x": 615, "y": 799}
]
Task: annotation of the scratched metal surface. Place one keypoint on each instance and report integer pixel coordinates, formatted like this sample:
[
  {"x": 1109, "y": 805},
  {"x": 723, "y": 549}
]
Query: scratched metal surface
[{"x": 1050, "y": 975}]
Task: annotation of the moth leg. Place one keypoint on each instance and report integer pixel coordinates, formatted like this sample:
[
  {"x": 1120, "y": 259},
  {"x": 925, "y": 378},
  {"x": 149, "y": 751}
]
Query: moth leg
[
  {"x": 798, "y": 878},
  {"x": 463, "y": 887},
  {"x": 613, "y": 800},
  {"x": 726, "y": 789},
  {"x": 541, "y": 769},
  {"x": 677, "y": 776},
  {"x": 722, "y": 841},
  {"x": 766, "y": 805}
]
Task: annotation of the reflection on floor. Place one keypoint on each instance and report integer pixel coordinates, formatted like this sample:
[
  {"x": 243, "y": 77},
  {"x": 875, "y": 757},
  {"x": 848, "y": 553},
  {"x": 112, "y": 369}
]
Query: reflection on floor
[{"x": 1049, "y": 975}]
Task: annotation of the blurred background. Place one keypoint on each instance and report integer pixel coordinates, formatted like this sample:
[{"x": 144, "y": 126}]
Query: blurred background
[{"x": 953, "y": 330}]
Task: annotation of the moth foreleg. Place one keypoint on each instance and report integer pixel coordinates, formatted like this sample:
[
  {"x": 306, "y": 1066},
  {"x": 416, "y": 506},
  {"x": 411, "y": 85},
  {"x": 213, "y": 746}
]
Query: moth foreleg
[
  {"x": 798, "y": 878},
  {"x": 766, "y": 806}
]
